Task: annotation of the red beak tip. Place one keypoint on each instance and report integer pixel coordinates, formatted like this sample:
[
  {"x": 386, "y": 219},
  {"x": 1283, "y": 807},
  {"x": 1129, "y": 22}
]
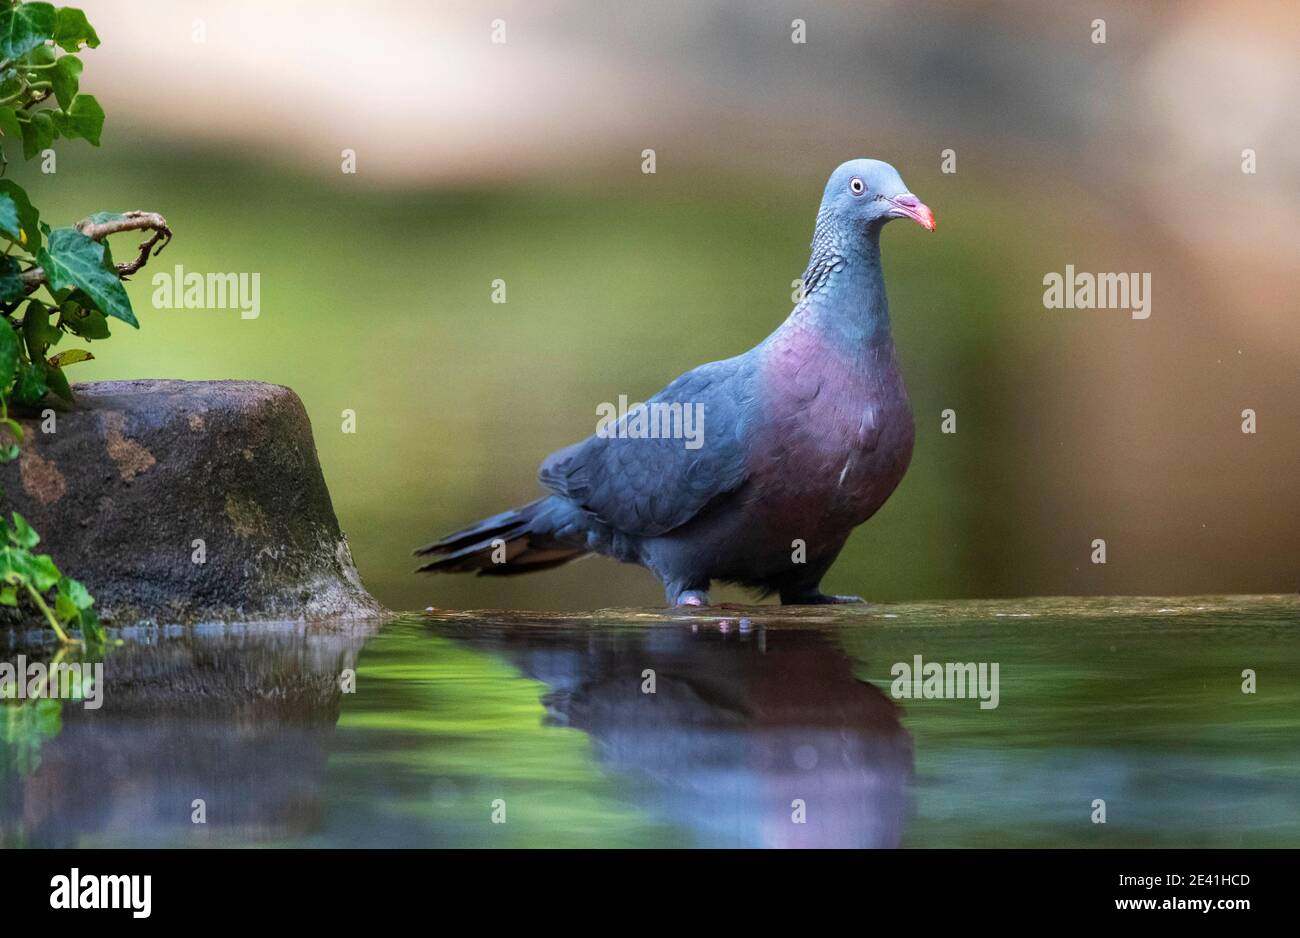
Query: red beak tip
[{"x": 910, "y": 206}]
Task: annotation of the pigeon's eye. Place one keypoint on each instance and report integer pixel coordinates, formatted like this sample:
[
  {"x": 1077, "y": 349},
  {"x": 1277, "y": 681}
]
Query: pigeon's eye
[{"x": 857, "y": 186}]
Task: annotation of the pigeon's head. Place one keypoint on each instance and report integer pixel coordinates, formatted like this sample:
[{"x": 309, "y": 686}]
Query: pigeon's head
[{"x": 870, "y": 193}]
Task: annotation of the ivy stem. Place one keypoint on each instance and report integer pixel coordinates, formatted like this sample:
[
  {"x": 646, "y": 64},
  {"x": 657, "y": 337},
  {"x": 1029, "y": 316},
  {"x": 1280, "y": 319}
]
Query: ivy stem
[{"x": 49, "y": 614}]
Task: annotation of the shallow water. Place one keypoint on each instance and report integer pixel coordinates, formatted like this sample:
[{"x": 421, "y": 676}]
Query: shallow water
[{"x": 765, "y": 727}]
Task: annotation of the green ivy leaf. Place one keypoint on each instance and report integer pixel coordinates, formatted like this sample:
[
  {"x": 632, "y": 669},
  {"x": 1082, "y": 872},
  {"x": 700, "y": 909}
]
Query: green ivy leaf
[
  {"x": 9, "y": 123},
  {"x": 41, "y": 56},
  {"x": 13, "y": 564},
  {"x": 44, "y": 573},
  {"x": 8, "y": 595},
  {"x": 76, "y": 592},
  {"x": 9, "y": 223},
  {"x": 66, "y": 78},
  {"x": 25, "y": 26},
  {"x": 71, "y": 28},
  {"x": 9, "y": 346},
  {"x": 92, "y": 631},
  {"x": 38, "y": 133},
  {"x": 37, "y": 330},
  {"x": 22, "y": 533},
  {"x": 11, "y": 83},
  {"x": 17, "y": 565},
  {"x": 71, "y": 357},
  {"x": 87, "y": 323},
  {"x": 9, "y": 451},
  {"x": 64, "y": 608},
  {"x": 30, "y": 386},
  {"x": 58, "y": 382},
  {"x": 74, "y": 260},
  {"x": 28, "y": 217},
  {"x": 84, "y": 118},
  {"x": 11, "y": 283}
]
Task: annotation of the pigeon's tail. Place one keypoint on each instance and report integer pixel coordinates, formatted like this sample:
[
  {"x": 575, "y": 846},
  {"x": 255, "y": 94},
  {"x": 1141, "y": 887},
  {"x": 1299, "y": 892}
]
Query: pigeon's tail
[{"x": 538, "y": 536}]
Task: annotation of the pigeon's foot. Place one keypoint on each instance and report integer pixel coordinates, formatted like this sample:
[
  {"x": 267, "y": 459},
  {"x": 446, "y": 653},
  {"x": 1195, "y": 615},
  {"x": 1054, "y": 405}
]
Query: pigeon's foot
[
  {"x": 820, "y": 599},
  {"x": 691, "y": 598}
]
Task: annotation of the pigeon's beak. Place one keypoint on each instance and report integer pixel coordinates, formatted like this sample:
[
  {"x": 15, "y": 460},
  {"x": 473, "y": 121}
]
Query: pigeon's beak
[{"x": 909, "y": 206}]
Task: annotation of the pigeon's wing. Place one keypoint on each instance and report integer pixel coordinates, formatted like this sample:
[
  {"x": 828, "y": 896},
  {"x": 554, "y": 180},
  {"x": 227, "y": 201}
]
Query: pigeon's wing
[{"x": 648, "y": 486}]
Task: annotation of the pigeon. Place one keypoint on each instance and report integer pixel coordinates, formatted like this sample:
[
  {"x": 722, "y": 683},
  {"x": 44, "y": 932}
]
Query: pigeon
[{"x": 753, "y": 470}]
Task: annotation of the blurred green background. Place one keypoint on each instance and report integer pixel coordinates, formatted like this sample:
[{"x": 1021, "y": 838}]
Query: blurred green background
[{"x": 522, "y": 162}]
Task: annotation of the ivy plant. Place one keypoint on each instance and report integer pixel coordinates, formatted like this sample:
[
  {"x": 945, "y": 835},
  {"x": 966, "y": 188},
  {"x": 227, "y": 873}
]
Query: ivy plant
[
  {"x": 29, "y": 575},
  {"x": 55, "y": 283}
]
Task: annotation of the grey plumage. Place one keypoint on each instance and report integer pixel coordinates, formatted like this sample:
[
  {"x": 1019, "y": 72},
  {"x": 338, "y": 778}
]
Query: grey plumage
[{"x": 804, "y": 437}]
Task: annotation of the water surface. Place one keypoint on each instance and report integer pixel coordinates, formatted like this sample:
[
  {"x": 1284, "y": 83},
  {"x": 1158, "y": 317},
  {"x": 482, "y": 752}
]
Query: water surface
[{"x": 754, "y": 727}]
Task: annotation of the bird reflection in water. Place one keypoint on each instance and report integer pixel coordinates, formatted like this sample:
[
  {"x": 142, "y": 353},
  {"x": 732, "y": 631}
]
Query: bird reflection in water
[{"x": 745, "y": 735}]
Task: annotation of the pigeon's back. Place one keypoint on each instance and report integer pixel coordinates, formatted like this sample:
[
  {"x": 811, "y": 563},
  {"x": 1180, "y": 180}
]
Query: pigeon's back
[{"x": 664, "y": 461}]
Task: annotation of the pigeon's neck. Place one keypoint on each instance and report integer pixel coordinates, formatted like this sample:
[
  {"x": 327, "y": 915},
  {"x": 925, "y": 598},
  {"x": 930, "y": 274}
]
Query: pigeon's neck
[{"x": 843, "y": 287}]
